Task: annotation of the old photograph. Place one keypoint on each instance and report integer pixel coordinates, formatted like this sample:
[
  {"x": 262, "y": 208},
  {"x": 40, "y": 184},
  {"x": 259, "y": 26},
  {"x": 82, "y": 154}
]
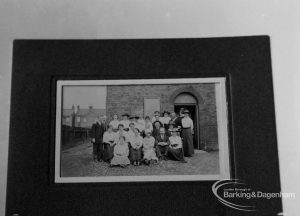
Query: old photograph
[{"x": 141, "y": 130}]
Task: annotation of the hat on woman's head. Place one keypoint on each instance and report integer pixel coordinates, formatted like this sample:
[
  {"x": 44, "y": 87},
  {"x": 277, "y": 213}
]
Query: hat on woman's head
[
  {"x": 147, "y": 131},
  {"x": 120, "y": 125},
  {"x": 166, "y": 112},
  {"x": 157, "y": 122},
  {"x": 186, "y": 111}
]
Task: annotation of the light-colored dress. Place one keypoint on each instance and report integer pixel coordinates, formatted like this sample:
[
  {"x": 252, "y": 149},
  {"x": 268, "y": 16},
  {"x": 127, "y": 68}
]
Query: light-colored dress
[
  {"x": 121, "y": 152},
  {"x": 115, "y": 124},
  {"x": 148, "y": 148},
  {"x": 109, "y": 137},
  {"x": 141, "y": 121},
  {"x": 165, "y": 120},
  {"x": 140, "y": 125},
  {"x": 148, "y": 126}
]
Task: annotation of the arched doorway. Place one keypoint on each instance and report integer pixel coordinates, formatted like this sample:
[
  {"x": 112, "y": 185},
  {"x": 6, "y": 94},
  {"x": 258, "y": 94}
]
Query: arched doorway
[{"x": 188, "y": 101}]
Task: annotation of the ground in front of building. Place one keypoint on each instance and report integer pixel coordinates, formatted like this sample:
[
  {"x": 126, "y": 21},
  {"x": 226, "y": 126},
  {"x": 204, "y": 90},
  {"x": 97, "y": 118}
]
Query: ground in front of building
[{"x": 77, "y": 162}]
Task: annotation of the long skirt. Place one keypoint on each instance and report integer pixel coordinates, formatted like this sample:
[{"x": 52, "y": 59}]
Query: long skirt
[
  {"x": 135, "y": 154},
  {"x": 175, "y": 154},
  {"x": 108, "y": 152},
  {"x": 188, "y": 146},
  {"x": 149, "y": 154},
  {"x": 120, "y": 160}
]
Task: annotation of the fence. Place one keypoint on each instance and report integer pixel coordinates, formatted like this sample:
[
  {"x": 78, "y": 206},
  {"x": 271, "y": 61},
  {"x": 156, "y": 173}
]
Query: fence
[{"x": 71, "y": 136}]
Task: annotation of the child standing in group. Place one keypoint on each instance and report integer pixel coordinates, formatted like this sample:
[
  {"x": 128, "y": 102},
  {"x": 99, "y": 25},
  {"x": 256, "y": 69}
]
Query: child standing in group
[
  {"x": 148, "y": 148},
  {"x": 136, "y": 148},
  {"x": 121, "y": 152}
]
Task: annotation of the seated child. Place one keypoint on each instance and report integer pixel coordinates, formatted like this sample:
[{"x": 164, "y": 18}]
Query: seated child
[
  {"x": 136, "y": 148},
  {"x": 175, "y": 150},
  {"x": 148, "y": 148},
  {"x": 121, "y": 152}
]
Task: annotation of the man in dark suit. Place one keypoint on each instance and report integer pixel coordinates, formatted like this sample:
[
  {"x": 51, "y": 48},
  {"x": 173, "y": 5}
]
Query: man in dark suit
[
  {"x": 161, "y": 144},
  {"x": 97, "y": 140}
]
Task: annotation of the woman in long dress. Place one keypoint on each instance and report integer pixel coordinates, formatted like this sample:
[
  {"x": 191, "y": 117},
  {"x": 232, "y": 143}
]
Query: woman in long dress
[
  {"x": 136, "y": 148},
  {"x": 148, "y": 148},
  {"x": 187, "y": 128},
  {"x": 121, "y": 152},
  {"x": 175, "y": 151},
  {"x": 109, "y": 141}
]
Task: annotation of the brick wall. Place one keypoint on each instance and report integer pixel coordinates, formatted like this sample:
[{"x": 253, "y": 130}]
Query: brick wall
[{"x": 130, "y": 99}]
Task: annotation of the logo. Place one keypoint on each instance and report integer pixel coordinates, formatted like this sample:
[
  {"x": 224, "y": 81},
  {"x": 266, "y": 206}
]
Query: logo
[
  {"x": 228, "y": 191},
  {"x": 236, "y": 194}
]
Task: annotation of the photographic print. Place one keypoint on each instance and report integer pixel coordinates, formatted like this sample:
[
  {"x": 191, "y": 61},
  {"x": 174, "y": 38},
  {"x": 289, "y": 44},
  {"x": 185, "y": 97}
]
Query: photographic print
[{"x": 141, "y": 130}]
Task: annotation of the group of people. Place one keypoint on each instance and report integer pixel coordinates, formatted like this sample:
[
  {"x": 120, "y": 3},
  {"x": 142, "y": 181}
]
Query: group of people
[{"x": 134, "y": 140}]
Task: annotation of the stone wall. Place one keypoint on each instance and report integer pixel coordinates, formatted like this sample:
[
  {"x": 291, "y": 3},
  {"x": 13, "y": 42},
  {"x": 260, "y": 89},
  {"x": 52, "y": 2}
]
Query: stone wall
[{"x": 130, "y": 99}]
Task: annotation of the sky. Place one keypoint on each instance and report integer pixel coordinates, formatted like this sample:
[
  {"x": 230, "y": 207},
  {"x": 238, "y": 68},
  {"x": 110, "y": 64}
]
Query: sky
[{"x": 84, "y": 96}]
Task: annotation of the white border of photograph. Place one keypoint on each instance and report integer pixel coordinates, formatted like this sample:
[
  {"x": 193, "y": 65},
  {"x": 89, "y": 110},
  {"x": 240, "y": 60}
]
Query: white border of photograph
[{"x": 221, "y": 105}]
